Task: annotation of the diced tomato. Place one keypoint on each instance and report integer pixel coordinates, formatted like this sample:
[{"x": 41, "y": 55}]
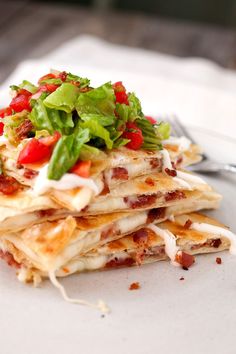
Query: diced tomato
[
  {"x": 1, "y": 128},
  {"x": 51, "y": 139},
  {"x": 5, "y": 112},
  {"x": 82, "y": 168},
  {"x": 63, "y": 75},
  {"x": 48, "y": 88},
  {"x": 151, "y": 120},
  {"x": 120, "y": 93},
  {"x": 21, "y": 101},
  {"x": 134, "y": 134},
  {"x": 46, "y": 77},
  {"x": 34, "y": 151}
]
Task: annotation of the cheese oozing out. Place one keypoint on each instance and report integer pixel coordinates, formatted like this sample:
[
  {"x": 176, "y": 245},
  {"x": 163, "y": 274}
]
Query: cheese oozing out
[
  {"x": 182, "y": 142},
  {"x": 171, "y": 248},
  {"x": 68, "y": 181},
  {"x": 216, "y": 230}
]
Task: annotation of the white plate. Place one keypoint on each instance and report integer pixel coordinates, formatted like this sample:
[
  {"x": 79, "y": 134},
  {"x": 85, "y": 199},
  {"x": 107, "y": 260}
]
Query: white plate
[{"x": 196, "y": 315}]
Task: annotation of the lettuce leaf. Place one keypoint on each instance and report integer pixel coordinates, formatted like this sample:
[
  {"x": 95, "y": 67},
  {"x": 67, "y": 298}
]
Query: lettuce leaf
[
  {"x": 129, "y": 112},
  {"x": 44, "y": 118},
  {"x": 99, "y": 118},
  {"x": 99, "y": 101},
  {"x": 66, "y": 153},
  {"x": 84, "y": 82},
  {"x": 163, "y": 130},
  {"x": 152, "y": 141},
  {"x": 63, "y": 99},
  {"x": 96, "y": 130}
]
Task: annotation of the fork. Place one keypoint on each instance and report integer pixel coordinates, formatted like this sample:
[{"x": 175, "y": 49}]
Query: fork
[{"x": 206, "y": 165}]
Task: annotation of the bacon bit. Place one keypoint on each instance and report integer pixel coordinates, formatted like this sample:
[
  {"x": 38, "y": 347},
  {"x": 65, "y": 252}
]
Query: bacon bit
[
  {"x": 187, "y": 224},
  {"x": 218, "y": 260},
  {"x": 120, "y": 173},
  {"x": 8, "y": 185},
  {"x": 182, "y": 278},
  {"x": 65, "y": 270},
  {"x": 140, "y": 236},
  {"x": 109, "y": 231},
  {"x": 174, "y": 196},
  {"x": 8, "y": 257},
  {"x": 150, "y": 181},
  {"x": 30, "y": 174},
  {"x": 155, "y": 162},
  {"x": 155, "y": 214},
  {"x": 120, "y": 262},
  {"x": 46, "y": 212},
  {"x": 106, "y": 189},
  {"x": 134, "y": 286},
  {"x": 179, "y": 161},
  {"x": 170, "y": 172},
  {"x": 23, "y": 129},
  {"x": 141, "y": 201},
  {"x": 85, "y": 89},
  {"x": 185, "y": 259},
  {"x": 215, "y": 243}
]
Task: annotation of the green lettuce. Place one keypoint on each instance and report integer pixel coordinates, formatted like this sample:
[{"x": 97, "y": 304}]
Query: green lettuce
[
  {"x": 151, "y": 140},
  {"x": 96, "y": 130},
  {"x": 129, "y": 112},
  {"x": 44, "y": 118},
  {"x": 163, "y": 130},
  {"x": 99, "y": 101},
  {"x": 66, "y": 153},
  {"x": 63, "y": 99}
]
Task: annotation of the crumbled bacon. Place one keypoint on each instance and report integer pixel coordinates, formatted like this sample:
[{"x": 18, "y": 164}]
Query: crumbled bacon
[
  {"x": 176, "y": 195},
  {"x": 120, "y": 173},
  {"x": 215, "y": 243},
  {"x": 182, "y": 278},
  {"x": 170, "y": 172},
  {"x": 179, "y": 161},
  {"x": 155, "y": 214},
  {"x": 141, "y": 201},
  {"x": 187, "y": 224},
  {"x": 8, "y": 184},
  {"x": 185, "y": 259},
  {"x": 218, "y": 260},
  {"x": 8, "y": 257},
  {"x": 106, "y": 189},
  {"x": 24, "y": 128},
  {"x": 134, "y": 286},
  {"x": 30, "y": 174},
  {"x": 150, "y": 181},
  {"x": 140, "y": 236},
  {"x": 119, "y": 262},
  {"x": 109, "y": 231},
  {"x": 46, "y": 212},
  {"x": 155, "y": 162}
]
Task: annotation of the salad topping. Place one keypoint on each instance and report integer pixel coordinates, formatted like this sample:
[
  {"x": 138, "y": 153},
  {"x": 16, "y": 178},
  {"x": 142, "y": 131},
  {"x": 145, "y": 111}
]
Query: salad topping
[{"x": 64, "y": 121}]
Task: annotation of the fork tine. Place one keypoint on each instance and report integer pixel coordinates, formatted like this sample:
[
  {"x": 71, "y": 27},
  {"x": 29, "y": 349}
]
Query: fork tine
[{"x": 181, "y": 130}]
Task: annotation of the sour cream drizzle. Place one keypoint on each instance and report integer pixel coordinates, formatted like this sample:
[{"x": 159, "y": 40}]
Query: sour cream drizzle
[
  {"x": 171, "y": 247},
  {"x": 204, "y": 227},
  {"x": 68, "y": 181},
  {"x": 100, "y": 305}
]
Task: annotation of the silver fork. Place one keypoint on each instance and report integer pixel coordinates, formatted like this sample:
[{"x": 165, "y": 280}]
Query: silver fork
[{"x": 206, "y": 165}]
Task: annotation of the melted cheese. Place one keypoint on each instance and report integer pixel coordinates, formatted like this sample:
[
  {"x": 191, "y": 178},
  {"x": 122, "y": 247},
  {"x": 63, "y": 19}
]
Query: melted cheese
[
  {"x": 131, "y": 222},
  {"x": 171, "y": 248},
  {"x": 166, "y": 160},
  {"x": 216, "y": 230},
  {"x": 100, "y": 305},
  {"x": 68, "y": 181}
]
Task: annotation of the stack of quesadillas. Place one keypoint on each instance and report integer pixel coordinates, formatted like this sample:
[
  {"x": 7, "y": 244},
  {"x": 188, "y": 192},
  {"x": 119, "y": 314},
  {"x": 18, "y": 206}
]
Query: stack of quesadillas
[{"x": 88, "y": 182}]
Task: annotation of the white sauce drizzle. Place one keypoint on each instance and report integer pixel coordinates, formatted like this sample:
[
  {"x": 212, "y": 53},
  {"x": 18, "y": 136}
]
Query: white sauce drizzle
[
  {"x": 100, "y": 305},
  {"x": 182, "y": 142},
  {"x": 190, "y": 178},
  {"x": 171, "y": 248},
  {"x": 166, "y": 160},
  {"x": 203, "y": 227},
  {"x": 68, "y": 181}
]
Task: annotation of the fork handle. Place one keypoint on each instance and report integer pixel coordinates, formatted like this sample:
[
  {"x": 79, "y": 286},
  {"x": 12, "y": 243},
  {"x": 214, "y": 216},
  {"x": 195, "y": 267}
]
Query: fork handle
[{"x": 212, "y": 167}]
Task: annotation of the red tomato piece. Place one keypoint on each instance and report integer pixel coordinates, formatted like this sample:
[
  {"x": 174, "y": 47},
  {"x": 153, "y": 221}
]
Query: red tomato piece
[
  {"x": 81, "y": 168},
  {"x": 134, "y": 134},
  {"x": 50, "y": 140},
  {"x": 4, "y": 112},
  {"x": 46, "y": 77},
  {"x": 21, "y": 101},
  {"x": 1, "y": 128},
  {"x": 63, "y": 75},
  {"x": 48, "y": 88},
  {"x": 34, "y": 151},
  {"x": 151, "y": 120},
  {"x": 120, "y": 93}
]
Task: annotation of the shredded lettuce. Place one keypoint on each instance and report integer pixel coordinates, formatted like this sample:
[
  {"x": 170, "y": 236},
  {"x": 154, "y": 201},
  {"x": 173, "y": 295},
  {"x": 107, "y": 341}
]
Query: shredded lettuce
[
  {"x": 99, "y": 101},
  {"x": 163, "y": 130},
  {"x": 96, "y": 130},
  {"x": 66, "y": 153},
  {"x": 63, "y": 99},
  {"x": 26, "y": 85},
  {"x": 151, "y": 141},
  {"x": 44, "y": 118}
]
